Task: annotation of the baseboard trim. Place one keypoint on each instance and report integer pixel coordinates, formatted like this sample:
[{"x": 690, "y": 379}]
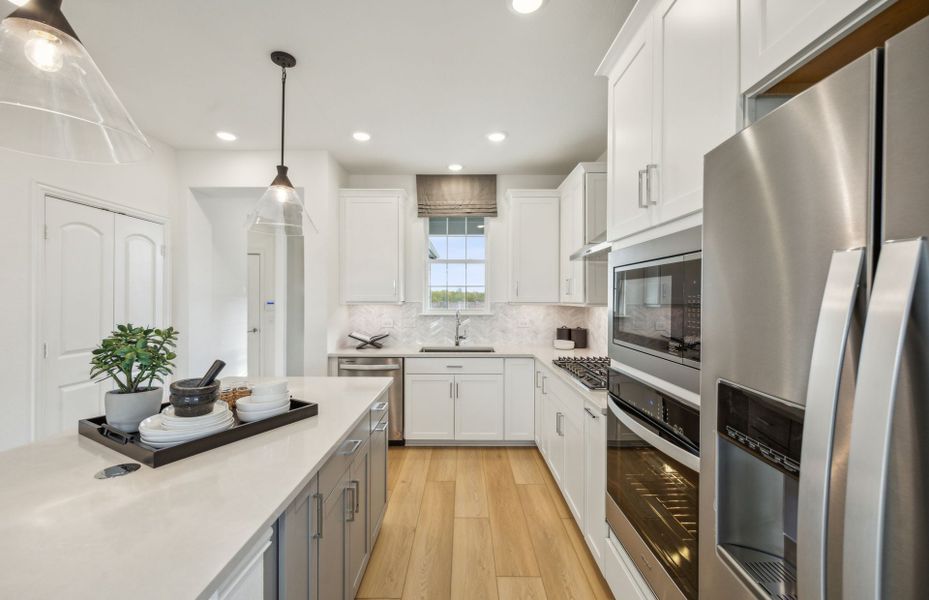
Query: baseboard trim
[{"x": 481, "y": 443}]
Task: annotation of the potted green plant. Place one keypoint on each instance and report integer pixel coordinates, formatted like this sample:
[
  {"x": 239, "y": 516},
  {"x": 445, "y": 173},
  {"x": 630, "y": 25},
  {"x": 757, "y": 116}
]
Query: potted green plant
[{"x": 134, "y": 358}]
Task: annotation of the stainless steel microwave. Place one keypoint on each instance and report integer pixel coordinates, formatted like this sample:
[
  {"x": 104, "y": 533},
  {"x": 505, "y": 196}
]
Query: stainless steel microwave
[{"x": 655, "y": 307}]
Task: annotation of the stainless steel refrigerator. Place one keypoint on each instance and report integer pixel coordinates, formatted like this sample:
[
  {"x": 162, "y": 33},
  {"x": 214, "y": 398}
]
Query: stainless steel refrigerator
[{"x": 814, "y": 478}]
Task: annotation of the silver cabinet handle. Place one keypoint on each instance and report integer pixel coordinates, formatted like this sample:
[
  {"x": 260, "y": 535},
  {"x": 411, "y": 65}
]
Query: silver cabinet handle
[
  {"x": 381, "y": 427},
  {"x": 354, "y": 444},
  {"x": 538, "y": 379},
  {"x": 350, "y": 509},
  {"x": 356, "y": 495},
  {"x": 591, "y": 413},
  {"x": 454, "y": 366},
  {"x": 649, "y": 188},
  {"x": 893, "y": 310},
  {"x": 517, "y": 288},
  {"x": 559, "y": 424},
  {"x": 643, "y": 201},
  {"x": 544, "y": 379},
  {"x": 253, "y": 330},
  {"x": 829, "y": 343},
  {"x": 457, "y": 390},
  {"x": 451, "y": 389},
  {"x": 318, "y": 499},
  {"x": 379, "y": 406}
]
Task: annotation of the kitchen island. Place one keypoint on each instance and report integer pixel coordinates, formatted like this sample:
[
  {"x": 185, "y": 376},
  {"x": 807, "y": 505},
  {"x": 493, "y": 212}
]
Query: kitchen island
[{"x": 179, "y": 531}]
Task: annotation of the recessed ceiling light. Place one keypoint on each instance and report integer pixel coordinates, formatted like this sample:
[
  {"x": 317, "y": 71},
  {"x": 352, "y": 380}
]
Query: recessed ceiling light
[
  {"x": 496, "y": 136},
  {"x": 361, "y": 136},
  {"x": 455, "y": 167},
  {"x": 226, "y": 136},
  {"x": 524, "y": 7}
]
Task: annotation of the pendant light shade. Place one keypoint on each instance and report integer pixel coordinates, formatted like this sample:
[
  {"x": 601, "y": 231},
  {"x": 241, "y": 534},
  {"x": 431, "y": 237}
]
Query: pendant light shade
[
  {"x": 54, "y": 101},
  {"x": 280, "y": 211}
]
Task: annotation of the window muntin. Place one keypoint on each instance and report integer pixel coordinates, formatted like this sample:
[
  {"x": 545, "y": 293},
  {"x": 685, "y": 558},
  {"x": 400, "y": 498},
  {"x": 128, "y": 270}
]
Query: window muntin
[{"x": 456, "y": 264}]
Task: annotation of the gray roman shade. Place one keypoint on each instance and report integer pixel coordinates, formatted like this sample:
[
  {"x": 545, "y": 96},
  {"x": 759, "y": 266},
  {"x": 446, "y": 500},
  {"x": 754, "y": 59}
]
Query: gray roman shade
[{"x": 456, "y": 195}]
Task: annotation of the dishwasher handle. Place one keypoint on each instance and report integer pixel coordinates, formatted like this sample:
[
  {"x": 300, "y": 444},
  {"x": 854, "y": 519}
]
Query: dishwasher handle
[{"x": 346, "y": 367}]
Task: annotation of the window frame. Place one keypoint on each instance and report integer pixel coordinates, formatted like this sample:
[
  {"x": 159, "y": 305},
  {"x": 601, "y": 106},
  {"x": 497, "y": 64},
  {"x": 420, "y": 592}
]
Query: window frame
[{"x": 427, "y": 310}]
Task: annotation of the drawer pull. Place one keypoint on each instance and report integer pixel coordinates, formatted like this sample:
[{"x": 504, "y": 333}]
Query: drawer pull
[
  {"x": 319, "y": 515},
  {"x": 381, "y": 427},
  {"x": 355, "y": 444},
  {"x": 454, "y": 366},
  {"x": 379, "y": 406}
]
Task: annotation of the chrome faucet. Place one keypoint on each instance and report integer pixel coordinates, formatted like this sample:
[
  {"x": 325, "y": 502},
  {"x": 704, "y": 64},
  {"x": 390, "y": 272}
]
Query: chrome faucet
[{"x": 458, "y": 336}]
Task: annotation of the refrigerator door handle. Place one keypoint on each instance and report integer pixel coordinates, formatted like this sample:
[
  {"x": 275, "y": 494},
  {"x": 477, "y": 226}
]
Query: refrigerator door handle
[
  {"x": 902, "y": 272},
  {"x": 832, "y": 329}
]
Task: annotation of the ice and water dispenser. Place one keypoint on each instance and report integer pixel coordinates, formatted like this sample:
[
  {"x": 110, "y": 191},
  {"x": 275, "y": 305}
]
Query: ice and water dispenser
[{"x": 758, "y": 472}]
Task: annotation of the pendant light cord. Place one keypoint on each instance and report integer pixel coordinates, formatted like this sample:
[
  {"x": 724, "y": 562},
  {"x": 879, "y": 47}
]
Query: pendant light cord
[{"x": 283, "y": 108}]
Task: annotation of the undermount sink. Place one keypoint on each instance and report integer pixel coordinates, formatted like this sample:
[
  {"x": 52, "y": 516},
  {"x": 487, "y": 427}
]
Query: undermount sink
[{"x": 456, "y": 349}]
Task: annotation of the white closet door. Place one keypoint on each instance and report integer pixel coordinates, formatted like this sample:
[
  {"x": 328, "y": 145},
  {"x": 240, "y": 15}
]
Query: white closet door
[
  {"x": 254, "y": 316},
  {"x": 78, "y": 310},
  {"x": 139, "y": 280}
]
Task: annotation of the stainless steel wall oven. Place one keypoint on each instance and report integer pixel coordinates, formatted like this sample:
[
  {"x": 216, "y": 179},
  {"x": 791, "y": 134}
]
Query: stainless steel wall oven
[{"x": 653, "y": 472}]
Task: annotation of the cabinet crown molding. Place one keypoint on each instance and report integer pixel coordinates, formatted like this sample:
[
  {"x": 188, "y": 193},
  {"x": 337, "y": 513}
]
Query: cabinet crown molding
[{"x": 637, "y": 17}]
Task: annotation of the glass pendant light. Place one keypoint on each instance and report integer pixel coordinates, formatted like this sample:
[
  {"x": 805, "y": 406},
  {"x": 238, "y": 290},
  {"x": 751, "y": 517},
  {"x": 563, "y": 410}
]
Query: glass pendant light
[
  {"x": 54, "y": 101},
  {"x": 279, "y": 210}
]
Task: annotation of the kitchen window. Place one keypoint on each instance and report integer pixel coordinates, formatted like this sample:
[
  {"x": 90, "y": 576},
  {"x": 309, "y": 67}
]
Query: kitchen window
[{"x": 456, "y": 269}]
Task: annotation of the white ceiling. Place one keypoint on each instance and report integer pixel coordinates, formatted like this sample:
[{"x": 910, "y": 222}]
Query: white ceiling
[{"x": 427, "y": 78}]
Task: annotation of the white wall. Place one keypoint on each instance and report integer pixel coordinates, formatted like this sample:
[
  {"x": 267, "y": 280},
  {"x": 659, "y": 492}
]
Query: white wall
[
  {"x": 318, "y": 177},
  {"x": 149, "y": 185},
  {"x": 498, "y": 247}
]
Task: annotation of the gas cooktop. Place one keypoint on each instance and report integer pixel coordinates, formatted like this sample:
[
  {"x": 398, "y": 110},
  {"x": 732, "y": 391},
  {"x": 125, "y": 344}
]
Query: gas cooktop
[{"x": 589, "y": 370}]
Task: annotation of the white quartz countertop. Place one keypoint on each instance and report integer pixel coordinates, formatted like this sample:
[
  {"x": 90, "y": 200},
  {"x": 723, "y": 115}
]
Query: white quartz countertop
[
  {"x": 544, "y": 354},
  {"x": 171, "y": 532}
]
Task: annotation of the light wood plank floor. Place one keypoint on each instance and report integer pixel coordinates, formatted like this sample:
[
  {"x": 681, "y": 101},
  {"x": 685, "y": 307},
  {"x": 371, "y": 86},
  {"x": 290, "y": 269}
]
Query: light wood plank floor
[{"x": 477, "y": 524}]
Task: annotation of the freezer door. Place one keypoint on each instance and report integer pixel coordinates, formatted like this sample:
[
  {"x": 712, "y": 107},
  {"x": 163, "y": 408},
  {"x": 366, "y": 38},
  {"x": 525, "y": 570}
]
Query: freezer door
[{"x": 780, "y": 198}]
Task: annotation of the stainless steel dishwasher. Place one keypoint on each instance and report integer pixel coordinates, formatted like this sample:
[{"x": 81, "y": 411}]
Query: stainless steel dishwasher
[{"x": 370, "y": 366}]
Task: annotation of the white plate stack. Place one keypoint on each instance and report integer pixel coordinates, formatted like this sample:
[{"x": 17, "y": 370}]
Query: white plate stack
[
  {"x": 167, "y": 429},
  {"x": 269, "y": 398}
]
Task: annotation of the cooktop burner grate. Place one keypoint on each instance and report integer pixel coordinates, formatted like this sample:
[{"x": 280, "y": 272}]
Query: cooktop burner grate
[{"x": 589, "y": 370}]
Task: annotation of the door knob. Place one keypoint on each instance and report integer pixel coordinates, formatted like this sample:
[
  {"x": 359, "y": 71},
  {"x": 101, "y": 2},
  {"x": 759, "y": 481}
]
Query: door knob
[{"x": 253, "y": 330}]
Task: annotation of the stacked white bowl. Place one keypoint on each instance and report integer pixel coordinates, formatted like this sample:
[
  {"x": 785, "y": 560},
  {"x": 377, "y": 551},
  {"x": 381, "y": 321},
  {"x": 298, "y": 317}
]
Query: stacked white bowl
[
  {"x": 269, "y": 398},
  {"x": 167, "y": 429}
]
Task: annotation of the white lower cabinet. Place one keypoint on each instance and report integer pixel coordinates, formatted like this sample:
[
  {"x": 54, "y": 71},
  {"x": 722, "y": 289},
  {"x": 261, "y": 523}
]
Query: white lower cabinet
[
  {"x": 572, "y": 428},
  {"x": 519, "y": 399},
  {"x": 621, "y": 574},
  {"x": 469, "y": 399},
  {"x": 429, "y": 407},
  {"x": 595, "y": 527},
  {"x": 552, "y": 432},
  {"x": 478, "y": 407}
]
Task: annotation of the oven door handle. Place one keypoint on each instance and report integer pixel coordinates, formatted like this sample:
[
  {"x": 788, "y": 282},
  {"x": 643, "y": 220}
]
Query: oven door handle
[{"x": 653, "y": 439}]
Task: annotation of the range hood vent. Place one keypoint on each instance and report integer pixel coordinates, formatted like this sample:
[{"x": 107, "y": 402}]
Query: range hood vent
[{"x": 592, "y": 251}]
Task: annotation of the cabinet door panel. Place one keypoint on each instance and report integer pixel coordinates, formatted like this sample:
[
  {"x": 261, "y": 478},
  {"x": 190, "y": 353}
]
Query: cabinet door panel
[
  {"x": 574, "y": 472},
  {"x": 377, "y": 490},
  {"x": 555, "y": 442},
  {"x": 429, "y": 409},
  {"x": 332, "y": 547},
  {"x": 358, "y": 526},
  {"x": 534, "y": 251},
  {"x": 774, "y": 34},
  {"x": 696, "y": 75},
  {"x": 630, "y": 137},
  {"x": 371, "y": 248},
  {"x": 572, "y": 238},
  {"x": 595, "y": 493},
  {"x": 479, "y": 407},
  {"x": 519, "y": 399}
]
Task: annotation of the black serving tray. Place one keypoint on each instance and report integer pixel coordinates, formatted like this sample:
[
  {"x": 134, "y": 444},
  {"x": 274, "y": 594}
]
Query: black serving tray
[{"x": 132, "y": 446}]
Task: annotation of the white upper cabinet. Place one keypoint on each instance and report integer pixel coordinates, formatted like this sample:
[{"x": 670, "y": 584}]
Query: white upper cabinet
[
  {"x": 534, "y": 246},
  {"x": 583, "y": 200},
  {"x": 629, "y": 143},
  {"x": 371, "y": 242},
  {"x": 696, "y": 67},
  {"x": 777, "y": 36},
  {"x": 673, "y": 97}
]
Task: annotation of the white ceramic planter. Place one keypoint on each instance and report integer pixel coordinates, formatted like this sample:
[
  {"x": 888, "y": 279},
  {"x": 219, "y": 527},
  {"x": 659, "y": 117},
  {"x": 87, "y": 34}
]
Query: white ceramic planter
[{"x": 126, "y": 411}]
